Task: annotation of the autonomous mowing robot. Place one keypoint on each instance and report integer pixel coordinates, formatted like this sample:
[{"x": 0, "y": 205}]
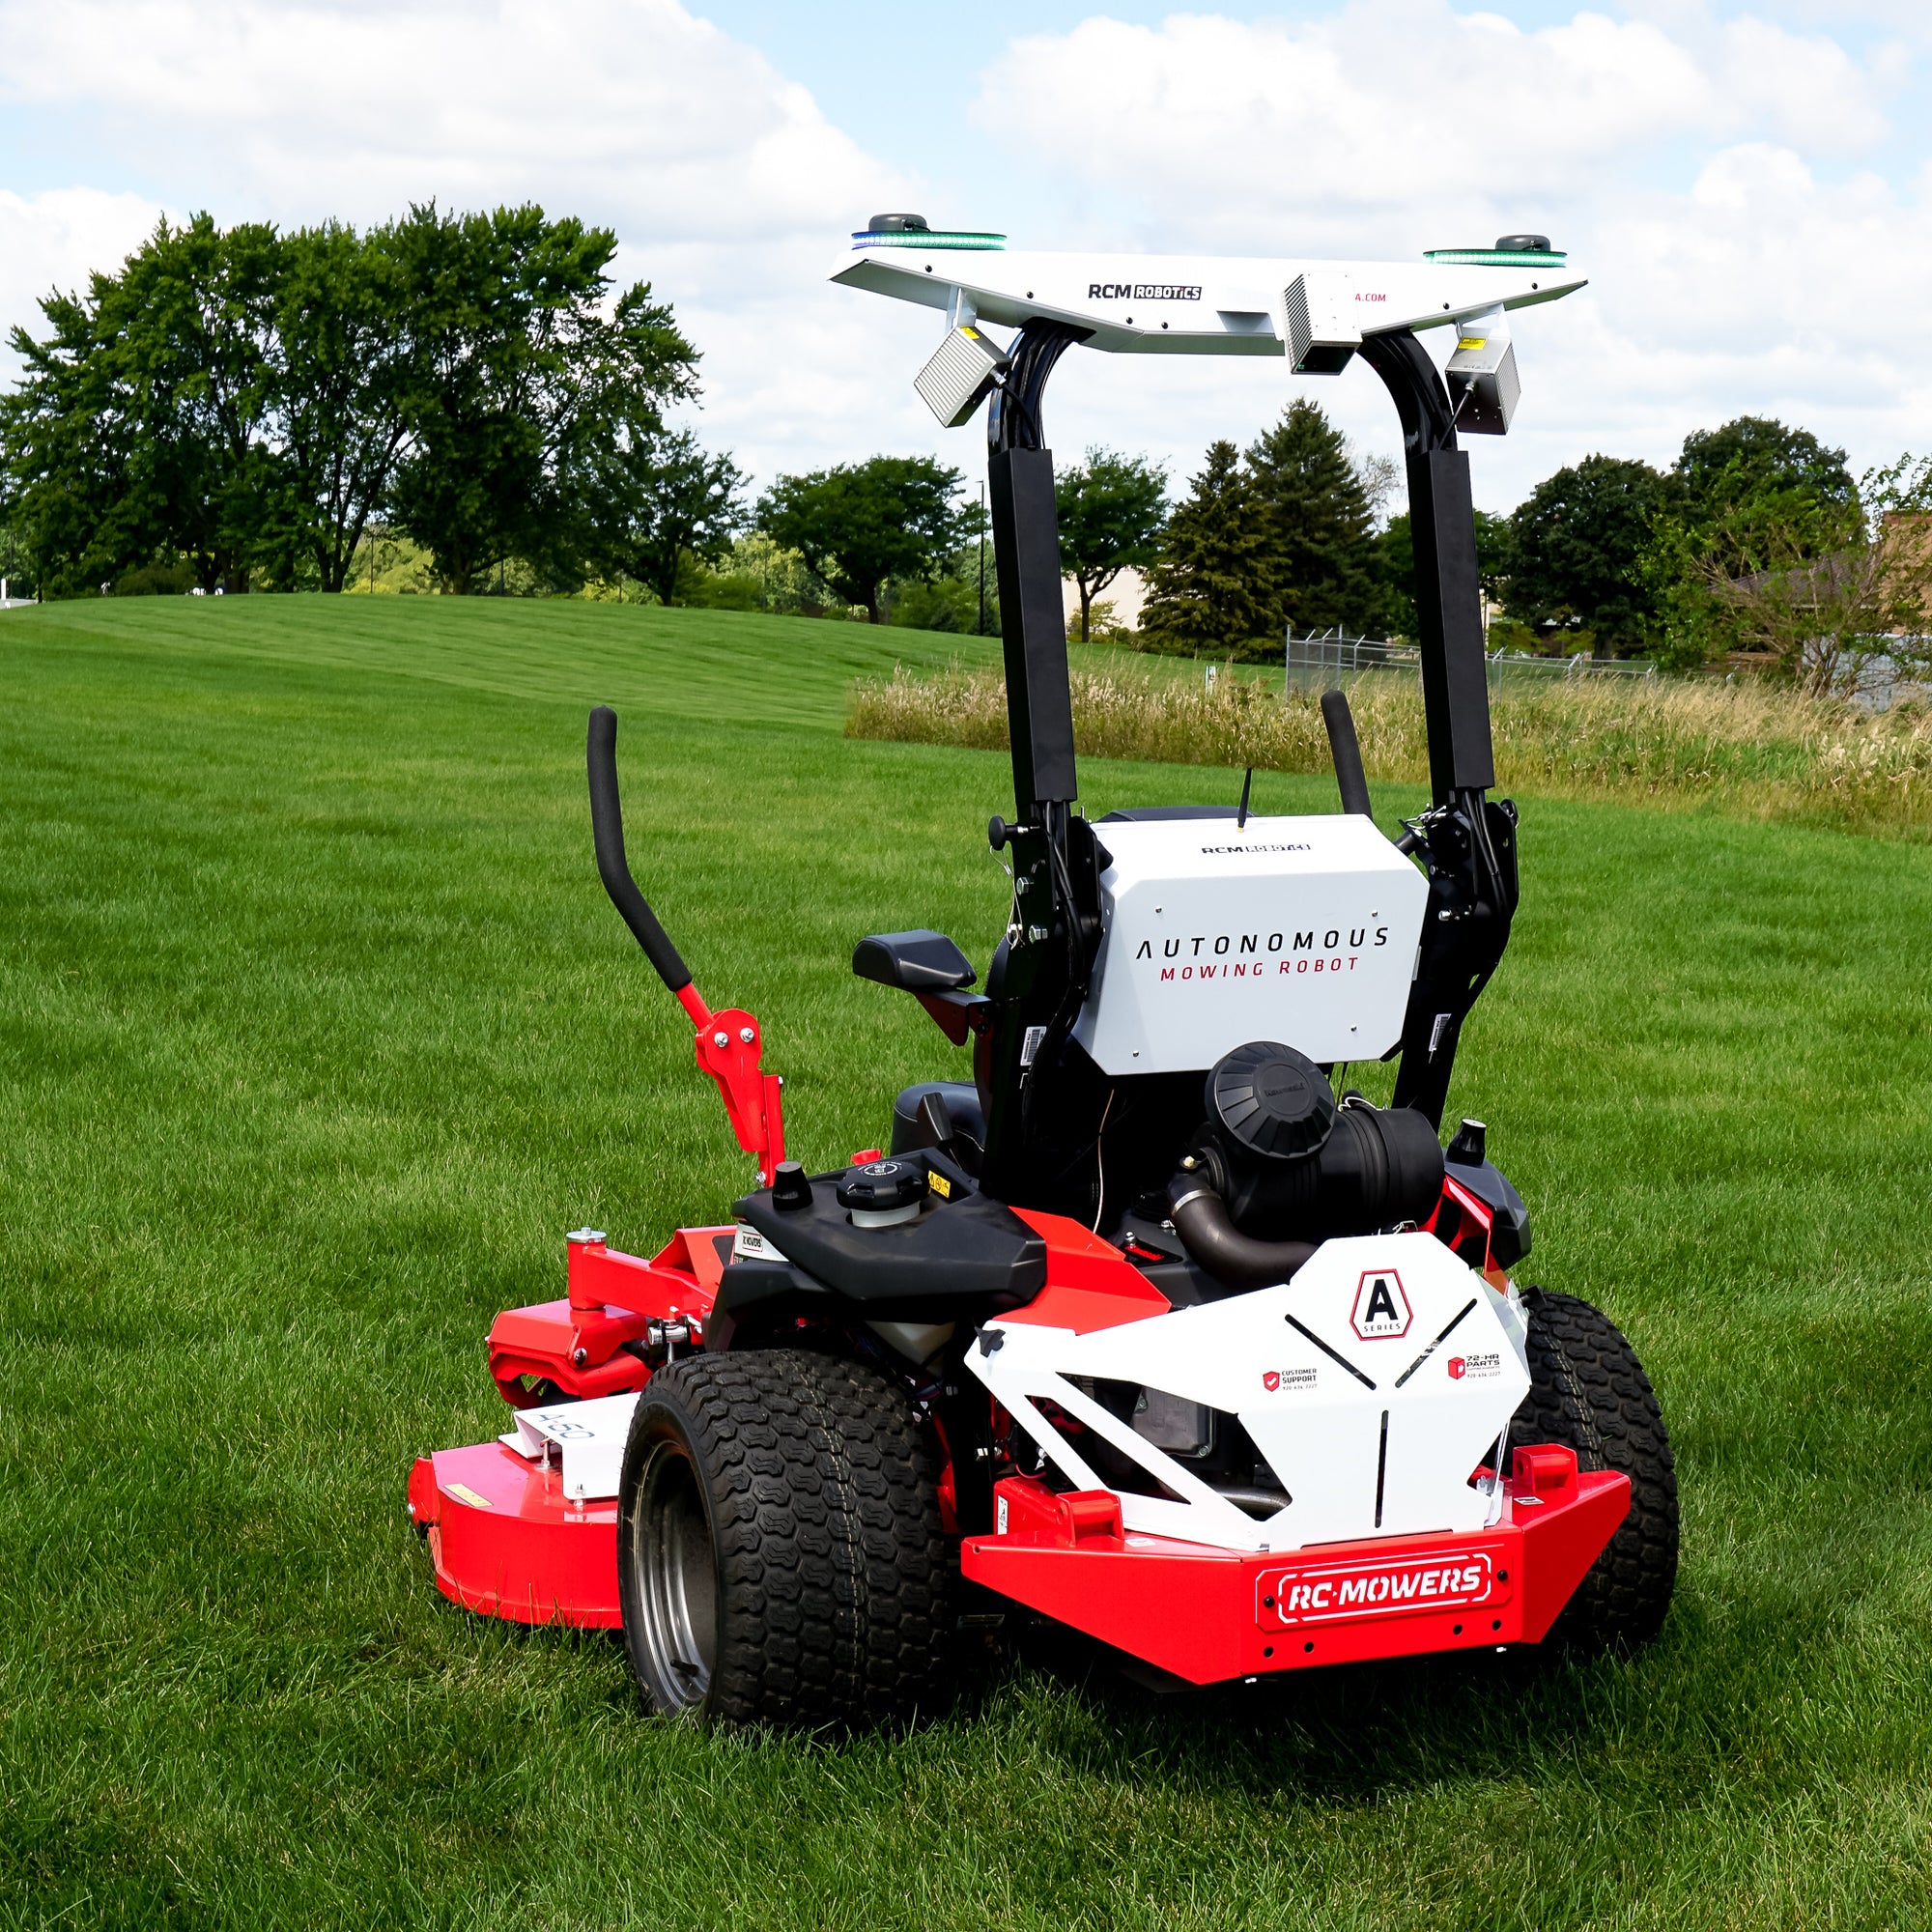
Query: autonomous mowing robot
[{"x": 1139, "y": 1325}]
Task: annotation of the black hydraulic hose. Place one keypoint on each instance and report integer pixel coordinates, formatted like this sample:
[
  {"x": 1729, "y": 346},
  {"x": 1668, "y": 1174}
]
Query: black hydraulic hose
[
  {"x": 607, "y": 832},
  {"x": 1345, "y": 749},
  {"x": 1200, "y": 1217}
]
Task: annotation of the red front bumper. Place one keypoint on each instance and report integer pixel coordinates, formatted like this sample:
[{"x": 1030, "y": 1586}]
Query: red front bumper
[
  {"x": 1207, "y": 1615},
  {"x": 506, "y": 1542}
]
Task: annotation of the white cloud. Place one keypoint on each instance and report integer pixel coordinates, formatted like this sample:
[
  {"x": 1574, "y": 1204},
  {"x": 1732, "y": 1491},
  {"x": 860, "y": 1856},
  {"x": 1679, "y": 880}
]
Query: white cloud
[
  {"x": 341, "y": 109},
  {"x": 1716, "y": 177},
  {"x": 726, "y": 186},
  {"x": 1695, "y": 168},
  {"x": 1399, "y": 106},
  {"x": 53, "y": 240}
]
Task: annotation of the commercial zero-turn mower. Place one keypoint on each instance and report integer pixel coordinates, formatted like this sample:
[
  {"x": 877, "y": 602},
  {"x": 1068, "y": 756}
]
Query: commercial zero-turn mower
[{"x": 1139, "y": 1325}]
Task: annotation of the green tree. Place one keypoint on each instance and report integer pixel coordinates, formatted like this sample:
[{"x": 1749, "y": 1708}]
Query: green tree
[
  {"x": 241, "y": 402},
  {"x": 1757, "y": 459},
  {"x": 1395, "y": 566},
  {"x": 1208, "y": 589},
  {"x": 661, "y": 504},
  {"x": 193, "y": 317},
  {"x": 522, "y": 386},
  {"x": 1794, "y": 575},
  {"x": 1578, "y": 543},
  {"x": 1320, "y": 565},
  {"x": 66, "y": 453},
  {"x": 757, "y": 573},
  {"x": 14, "y": 568},
  {"x": 342, "y": 369},
  {"x": 859, "y": 524},
  {"x": 1111, "y": 511},
  {"x": 138, "y": 427},
  {"x": 1753, "y": 502}
]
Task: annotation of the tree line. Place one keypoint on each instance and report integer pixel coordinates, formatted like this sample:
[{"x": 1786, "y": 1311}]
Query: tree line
[
  {"x": 247, "y": 409},
  {"x": 234, "y": 407}
]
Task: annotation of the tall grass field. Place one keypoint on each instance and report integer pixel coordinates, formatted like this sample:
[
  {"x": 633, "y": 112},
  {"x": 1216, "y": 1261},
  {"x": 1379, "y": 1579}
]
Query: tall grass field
[
  {"x": 1751, "y": 747},
  {"x": 318, "y": 1033}
]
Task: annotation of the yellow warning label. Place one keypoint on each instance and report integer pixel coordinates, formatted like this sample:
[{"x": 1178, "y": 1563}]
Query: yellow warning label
[
  {"x": 940, "y": 1185},
  {"x": 464, "y": 1494}
]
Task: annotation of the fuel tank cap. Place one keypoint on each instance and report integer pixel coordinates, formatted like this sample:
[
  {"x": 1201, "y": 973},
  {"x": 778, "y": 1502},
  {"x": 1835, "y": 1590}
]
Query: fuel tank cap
[
  {"x": 1272, "y": 1099},
  {"x": 883, "y": 1193}
]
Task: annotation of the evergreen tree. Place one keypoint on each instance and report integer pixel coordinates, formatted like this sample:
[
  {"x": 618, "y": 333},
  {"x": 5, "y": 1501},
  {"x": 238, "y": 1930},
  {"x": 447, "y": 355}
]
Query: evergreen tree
[
  {"x": 1321, "y": 550},
  {"x": 1210, "y": 576}
]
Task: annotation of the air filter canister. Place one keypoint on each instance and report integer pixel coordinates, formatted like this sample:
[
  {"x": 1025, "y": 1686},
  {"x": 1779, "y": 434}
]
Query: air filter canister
[{"x": 1272, "y": 1099}]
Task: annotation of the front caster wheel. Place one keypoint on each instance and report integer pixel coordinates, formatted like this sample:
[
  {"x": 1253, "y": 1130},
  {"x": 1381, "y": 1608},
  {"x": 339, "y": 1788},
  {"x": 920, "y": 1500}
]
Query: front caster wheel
[{"x": 779, "y": 1554}]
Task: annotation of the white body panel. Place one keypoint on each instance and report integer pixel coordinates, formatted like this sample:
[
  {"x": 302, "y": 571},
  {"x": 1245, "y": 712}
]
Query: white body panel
[
  {"x": 1190, "y": 304},
  {"x": 1302, "y": 930},
  {"x": 1443, "y": 1399},
  {"x": 587, "y": 1437}
]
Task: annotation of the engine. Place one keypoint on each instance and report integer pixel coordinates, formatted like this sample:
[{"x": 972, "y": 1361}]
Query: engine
[{"x": 1279, "y": 1166}]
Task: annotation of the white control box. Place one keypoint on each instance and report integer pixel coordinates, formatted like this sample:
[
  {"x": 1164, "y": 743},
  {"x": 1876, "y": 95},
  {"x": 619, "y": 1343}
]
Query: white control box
[{"x": 1303, "y": 931}]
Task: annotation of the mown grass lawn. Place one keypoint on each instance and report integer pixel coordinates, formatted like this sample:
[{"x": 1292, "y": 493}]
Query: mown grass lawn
[{"x": 318, "y": 1032}]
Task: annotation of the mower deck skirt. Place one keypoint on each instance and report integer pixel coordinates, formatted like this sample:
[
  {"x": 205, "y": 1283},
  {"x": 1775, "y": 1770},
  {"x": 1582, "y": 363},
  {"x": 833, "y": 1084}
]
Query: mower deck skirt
[
  {"x": 1207, "y": 1615},
  {"x": 507, "y": 1541}
]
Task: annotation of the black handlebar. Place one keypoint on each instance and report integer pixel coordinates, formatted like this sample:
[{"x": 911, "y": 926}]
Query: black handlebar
[
  {"x": 607, "y": 832},
  {"x": 1345, "y": 749}
]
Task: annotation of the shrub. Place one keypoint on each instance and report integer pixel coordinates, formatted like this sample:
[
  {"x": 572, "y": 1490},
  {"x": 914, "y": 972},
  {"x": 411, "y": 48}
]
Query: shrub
[{"x": 155, "y": 580}]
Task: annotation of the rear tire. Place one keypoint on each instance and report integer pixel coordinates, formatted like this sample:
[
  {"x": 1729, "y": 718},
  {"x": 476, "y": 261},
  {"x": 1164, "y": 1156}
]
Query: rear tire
[
  {"x": 779, "y": 1554},
  {"x": 1588, "y": 1392}
]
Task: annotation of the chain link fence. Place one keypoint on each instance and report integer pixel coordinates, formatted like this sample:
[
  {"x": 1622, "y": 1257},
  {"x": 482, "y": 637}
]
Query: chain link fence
[{"x": 1317, "y": 659}]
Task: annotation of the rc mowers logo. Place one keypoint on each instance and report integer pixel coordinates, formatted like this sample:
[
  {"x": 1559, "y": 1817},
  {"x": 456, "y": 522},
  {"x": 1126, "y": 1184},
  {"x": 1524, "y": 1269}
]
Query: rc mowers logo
[
  {"x": 1448, "y": 1578},
  {"x": 1382, "y": 1312}
]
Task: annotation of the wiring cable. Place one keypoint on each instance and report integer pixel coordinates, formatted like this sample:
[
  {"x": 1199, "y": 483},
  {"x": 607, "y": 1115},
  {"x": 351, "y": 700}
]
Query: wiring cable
[{"x": 1101, "y": 1162}]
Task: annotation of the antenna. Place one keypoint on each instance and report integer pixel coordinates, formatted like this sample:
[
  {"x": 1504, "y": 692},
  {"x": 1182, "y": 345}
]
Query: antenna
[{"x": 1247, "y": 785}]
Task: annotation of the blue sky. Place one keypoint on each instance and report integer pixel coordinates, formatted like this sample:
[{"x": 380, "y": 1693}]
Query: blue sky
[{"x": 1745, "y": 185}]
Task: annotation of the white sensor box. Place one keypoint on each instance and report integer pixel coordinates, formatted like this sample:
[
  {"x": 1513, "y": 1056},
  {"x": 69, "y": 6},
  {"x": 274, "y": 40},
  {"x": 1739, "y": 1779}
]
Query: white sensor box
[{"x": 1303, "y": 931}]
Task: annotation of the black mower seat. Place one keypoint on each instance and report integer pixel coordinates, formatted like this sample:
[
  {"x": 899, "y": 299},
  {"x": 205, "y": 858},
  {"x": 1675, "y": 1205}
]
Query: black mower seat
[
  {"x": 962, "y": 1107},
  {"x": 964, "y": 1258},
  {"x": 918, "y": 962}
]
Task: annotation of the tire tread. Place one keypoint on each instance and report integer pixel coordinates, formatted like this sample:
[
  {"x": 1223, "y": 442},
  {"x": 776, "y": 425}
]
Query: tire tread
[
  {"x": 833, "y": 1596},
  {"x": 1588, "y": 1392}
]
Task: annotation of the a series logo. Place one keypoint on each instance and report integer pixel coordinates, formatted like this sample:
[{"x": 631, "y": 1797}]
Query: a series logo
[{"x": 1382, "y": 1312}]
